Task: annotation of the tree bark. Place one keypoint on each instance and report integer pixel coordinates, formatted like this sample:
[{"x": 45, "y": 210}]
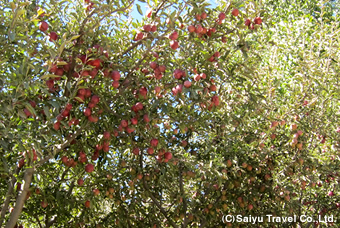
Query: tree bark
[
  {"x": 21, "y": 199},
  {"x": 8, "y": 197}
]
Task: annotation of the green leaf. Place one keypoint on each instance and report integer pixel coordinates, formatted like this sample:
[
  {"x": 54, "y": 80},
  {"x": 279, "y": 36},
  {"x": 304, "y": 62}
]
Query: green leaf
[
  {"x": 139, "y": 9},
  {"x": 46, "y": 76},
  {"x": 47, "y": 112},
  {"x": 22, "y": 114},
  {"x": 61, "y": 63},
  {"x": 30, "y": 108},
  {"x": 11, "y": 36},
  {"x": 79, "y": 99},
  {"x": 21, "y": 12},
  {"x": 54, "y": 104}
]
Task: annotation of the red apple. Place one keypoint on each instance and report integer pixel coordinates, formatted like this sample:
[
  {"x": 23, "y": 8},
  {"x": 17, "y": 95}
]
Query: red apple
[
  {"x": 21, "y": 163},
  {"x": 95, "y": 99},
  {"x": 59, "y": 72},
  {"x": 162, "y": 68},
  {"x": 93, "y": 73},
  {"x": 56, "y": 126},
  {"x": 53, "y": 36},
  {"x": 33, "y": 104},
  {"x": 174, "y": 45},
  {"x": 258, "y": 21},
  {"x": 65, "y": 113},
  {"x": 43, "y": 204},
  {"x": 50, "y": 83},
  {"x": 91, "y": 105},
  {"x": 135, "y": 151},
  {"x": 157, "y": 89},
  {"x": 293, "y": 127},
  {"x": 167, "y": 155},
  {"x": 146, "y": 118},
  {"x": 43, "y": 26},
  {"x": 95, "y": 63},
  {"x": 87, "y": 111},
  {"x": 37, "y": 191},
  {"x": 96, "y": 191},
  {"x": 87, "y": 204},
  {"x": 154, "y": 142},
  {"x": 89, "y": 168},
  {"x": 212, "y": 88},
  {"x": 115, "y": 75},
  {"x": 217, "y": 54},
  {"x": 197, "y": 77},
  {"x": 68, "y": 106},
  {"x": 187, "y": 84},
  {"x": 191, "y": 28},
  {"x": 85, "y": 73},
  {"x": 150, "y": 151},
  {"x": 106, "y": 135},
  {"x": 87, "y": 93},
  {"x": 235, "y": 12},
  {"x": 139, "y": 36},
  {"x": 124, "y": 123},
  {"x": 115, "y": 84},
  {"x": 198, "y": 17},
  {"x": 147, "y": 28},
  {"x": 173, "y": 36},
  {"x": 149, "y": 13},
  {"x": 153, "y": 28},
  {"x": 134, "y": 121},
  {"x": 153, "y": 65},
  {"x": 27, "y": 112},
  {"x": 178, "y": 74},
  {"x": 143, "y": 91},
  {"x": 215, "y": 100},
  {"x": 139, "y": 106},
  {"x": 221, "y": 16},
  {"x": 64, "y": 159},
  {"x": 199, "y": 29},
  {"x": 82, "y": 159},
  {"x": 80, "y": 182},
  {"x": 130, "y": 129},
  {"x": 93, "y": 119},
  {"x": 82, "y": 92}
]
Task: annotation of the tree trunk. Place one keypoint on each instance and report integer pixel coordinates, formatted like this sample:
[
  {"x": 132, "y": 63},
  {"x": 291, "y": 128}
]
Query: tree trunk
[{"x": 21, "y": 199}]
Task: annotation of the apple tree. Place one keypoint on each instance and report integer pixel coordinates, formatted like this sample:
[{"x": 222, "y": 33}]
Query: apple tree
[{"x": 190, "y": 113}]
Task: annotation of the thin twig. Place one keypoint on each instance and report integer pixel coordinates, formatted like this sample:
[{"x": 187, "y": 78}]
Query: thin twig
[{"x": 60, "y": 147}]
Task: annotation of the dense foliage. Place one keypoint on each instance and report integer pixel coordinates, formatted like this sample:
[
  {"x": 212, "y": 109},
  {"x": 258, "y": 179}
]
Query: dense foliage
[{"x": 194, "y": 112}]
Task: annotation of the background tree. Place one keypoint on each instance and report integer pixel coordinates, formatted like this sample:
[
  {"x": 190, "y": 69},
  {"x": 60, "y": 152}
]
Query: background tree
[{"x": 195, "y": 112}]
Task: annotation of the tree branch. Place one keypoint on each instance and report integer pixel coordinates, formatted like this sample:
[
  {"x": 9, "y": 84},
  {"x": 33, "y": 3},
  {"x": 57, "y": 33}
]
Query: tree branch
[
  {"x": 181, "y": 188},
  {"x": 60, "y": 147},
  {"x": 8, "y": 196},
  {"x": 72, "y": 185},
  {"x": 21, "y": 199},
  {"x": 111, "y": 12},
  {"x": 37, "y": 218},
  {"x": 154, "y": 200}
]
